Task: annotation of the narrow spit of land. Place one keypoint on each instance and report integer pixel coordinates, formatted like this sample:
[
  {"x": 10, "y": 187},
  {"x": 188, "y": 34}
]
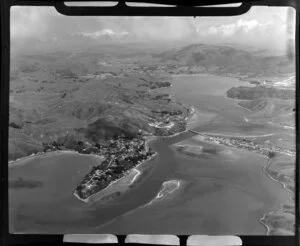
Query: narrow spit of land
[{"x": 241, "y": 142}]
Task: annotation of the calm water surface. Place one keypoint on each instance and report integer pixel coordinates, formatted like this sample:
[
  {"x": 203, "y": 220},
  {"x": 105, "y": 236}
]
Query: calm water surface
[{"x": 224, "y": 193}]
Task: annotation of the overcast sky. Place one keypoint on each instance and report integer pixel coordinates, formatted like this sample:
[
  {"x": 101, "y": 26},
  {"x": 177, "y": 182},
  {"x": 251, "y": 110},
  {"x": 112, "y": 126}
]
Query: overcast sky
[{"x": 262, "y": 27}]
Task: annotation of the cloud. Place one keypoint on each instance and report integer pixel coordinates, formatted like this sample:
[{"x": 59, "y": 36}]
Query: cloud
[
  {"x": 103, "y": 33},
  {"x": 45, "y": 22},
  {"x": 239, "y": 27},
  {"x": 270, "y": 34},
  {"x": 261, "y": 27}
]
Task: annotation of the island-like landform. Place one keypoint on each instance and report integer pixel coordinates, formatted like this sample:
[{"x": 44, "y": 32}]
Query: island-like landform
[{"x": 168, "y": 188}]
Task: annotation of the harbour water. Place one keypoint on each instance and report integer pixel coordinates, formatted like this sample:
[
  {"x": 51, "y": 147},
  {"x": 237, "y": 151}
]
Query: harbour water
[{"x": 224, "y": 193}]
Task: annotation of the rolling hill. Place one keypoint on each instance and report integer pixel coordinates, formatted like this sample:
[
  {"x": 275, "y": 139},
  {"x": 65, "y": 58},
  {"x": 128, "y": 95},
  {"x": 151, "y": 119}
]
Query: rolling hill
[
  {"x": 219, "y": 59},
  {"x": 97, "y": 94},
  {"x": 56, "y": 97}
]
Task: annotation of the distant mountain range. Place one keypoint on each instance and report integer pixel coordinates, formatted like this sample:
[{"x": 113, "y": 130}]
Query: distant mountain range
[{"x": 225, "y": 60}]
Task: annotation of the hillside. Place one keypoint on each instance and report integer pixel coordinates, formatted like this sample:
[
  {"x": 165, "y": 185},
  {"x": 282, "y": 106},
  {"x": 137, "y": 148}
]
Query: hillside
[
  {"x": 92, "y": 95},
  {"x": 70, "y": 97},
  {"x": 217, "y": 59},
  {"x": 277, "y": 111}
]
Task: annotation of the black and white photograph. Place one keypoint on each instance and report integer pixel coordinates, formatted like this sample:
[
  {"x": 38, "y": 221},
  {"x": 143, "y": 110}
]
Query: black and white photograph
[{"x": 152, "y": 124}]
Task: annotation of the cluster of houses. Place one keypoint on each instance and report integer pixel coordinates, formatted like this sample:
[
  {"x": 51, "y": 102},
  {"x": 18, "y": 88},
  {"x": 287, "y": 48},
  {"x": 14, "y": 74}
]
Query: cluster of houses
[
  {"x": 121, "y": 155},
  {"x": 265, "y": 149}
]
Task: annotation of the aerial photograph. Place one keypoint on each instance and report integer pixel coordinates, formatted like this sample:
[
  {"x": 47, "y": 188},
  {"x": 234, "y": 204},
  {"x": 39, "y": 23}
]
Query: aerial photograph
[{"x": 152, "y": 125}]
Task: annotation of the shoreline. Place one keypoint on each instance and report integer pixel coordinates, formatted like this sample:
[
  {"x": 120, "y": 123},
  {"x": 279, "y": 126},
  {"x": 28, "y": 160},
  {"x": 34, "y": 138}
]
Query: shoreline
[
  {"x": 281, "y": 209},
  {"x": 164, "y": 189},
  {"x": 206, "y": 74},
  {"x": 236, "y": 102},
  {"x": 238, "y": 136},
  {"x": 248, "y": 80},
  {"x": 44, "y": 154},
  {"x": 148, "y": 140},
  {"x": 126, "y": 174},
  {"x": 266, "y": 173},
  {"x": 189, "y": 124}
]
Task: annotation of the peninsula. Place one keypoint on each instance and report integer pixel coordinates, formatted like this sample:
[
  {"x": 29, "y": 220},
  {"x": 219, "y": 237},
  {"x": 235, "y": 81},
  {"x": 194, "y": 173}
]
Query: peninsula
[
  {"x": 121, "y": 155},
  {"x": 263, "y": 148}
]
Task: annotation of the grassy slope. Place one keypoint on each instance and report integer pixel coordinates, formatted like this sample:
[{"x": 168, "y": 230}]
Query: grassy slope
[
  {"x": 277, "y": 111},
  {"x": 50, "y": 98}
]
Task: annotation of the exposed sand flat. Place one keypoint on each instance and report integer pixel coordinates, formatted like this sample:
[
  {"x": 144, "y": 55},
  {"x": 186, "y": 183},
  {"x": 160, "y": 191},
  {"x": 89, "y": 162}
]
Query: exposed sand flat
[{"x": 168, "y": 187}]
